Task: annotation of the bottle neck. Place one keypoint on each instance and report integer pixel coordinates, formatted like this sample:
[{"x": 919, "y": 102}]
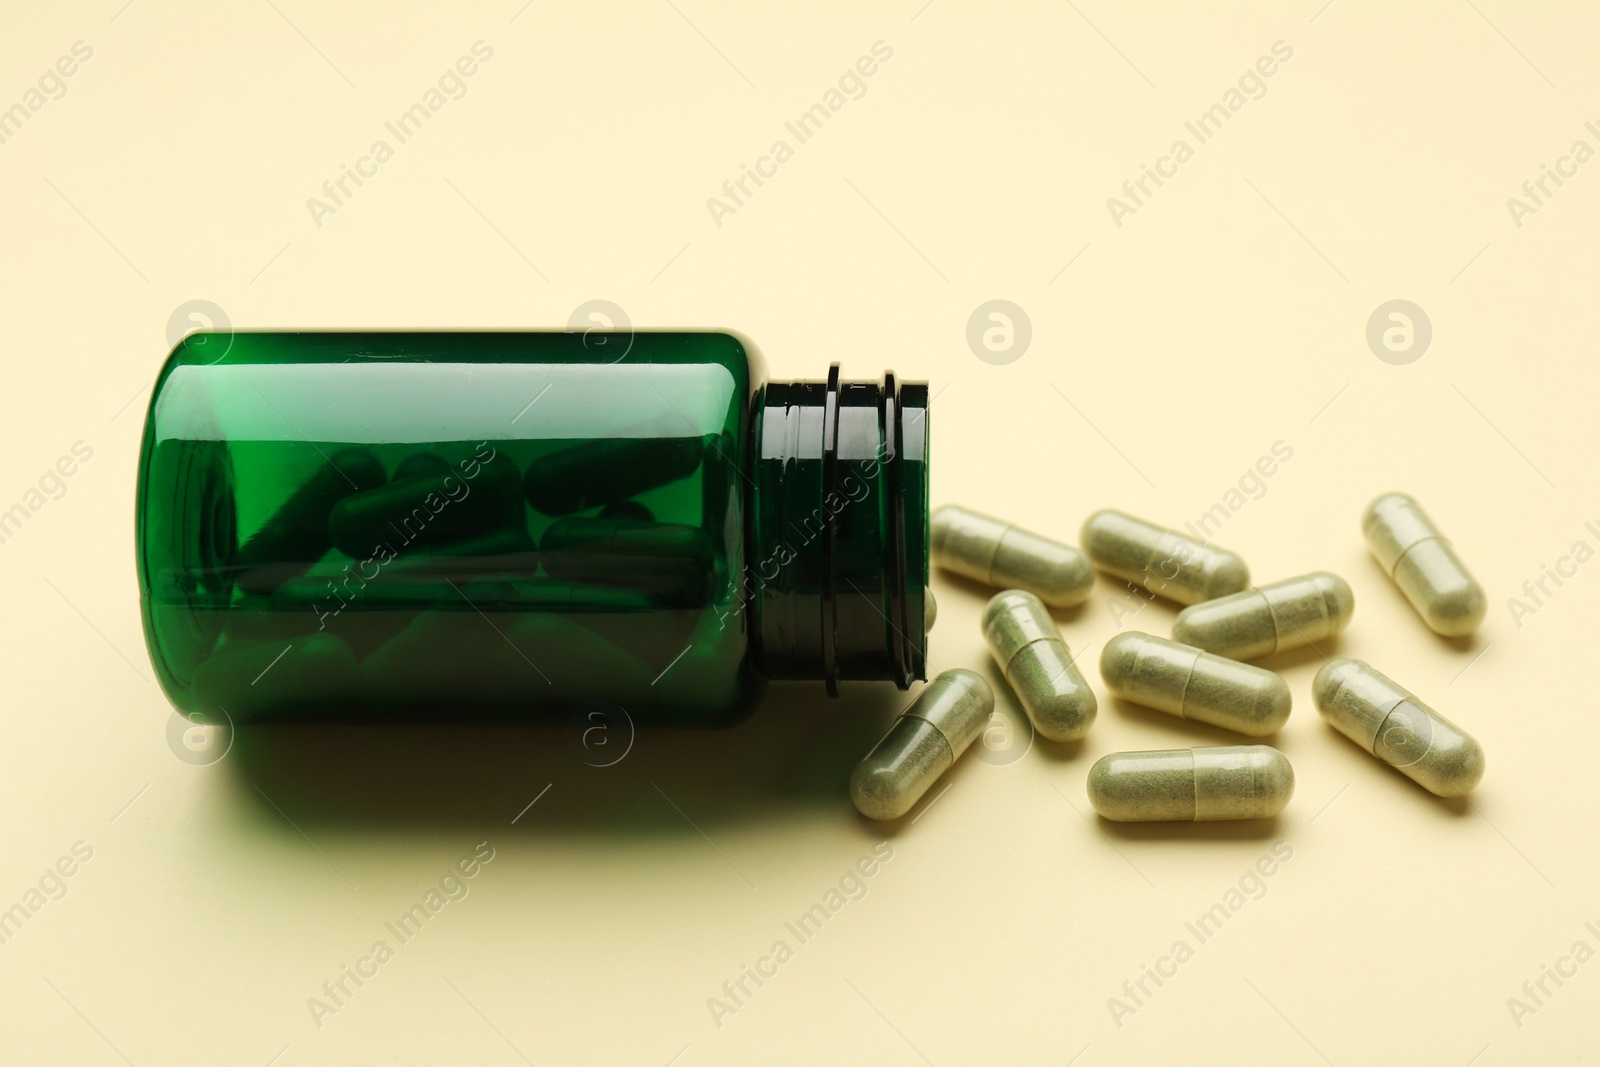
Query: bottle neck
[{"x": 837, "y": 571}]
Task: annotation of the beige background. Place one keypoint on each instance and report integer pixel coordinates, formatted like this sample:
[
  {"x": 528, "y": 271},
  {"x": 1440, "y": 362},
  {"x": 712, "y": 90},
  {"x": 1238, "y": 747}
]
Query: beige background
[{"x": 1228, "y": 313}]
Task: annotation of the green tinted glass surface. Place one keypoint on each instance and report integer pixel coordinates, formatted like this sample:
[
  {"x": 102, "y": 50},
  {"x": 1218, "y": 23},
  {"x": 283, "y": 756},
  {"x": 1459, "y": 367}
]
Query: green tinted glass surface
[{"x": 383, "y": 525}]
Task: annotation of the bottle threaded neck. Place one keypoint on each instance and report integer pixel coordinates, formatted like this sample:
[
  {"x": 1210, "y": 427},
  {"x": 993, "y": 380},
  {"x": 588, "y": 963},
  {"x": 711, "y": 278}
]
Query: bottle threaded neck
[{"x": 838, "y": 565}]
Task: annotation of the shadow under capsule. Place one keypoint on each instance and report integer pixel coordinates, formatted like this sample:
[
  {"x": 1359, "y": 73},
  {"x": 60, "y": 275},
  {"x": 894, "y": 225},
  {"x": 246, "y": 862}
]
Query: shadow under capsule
[
  {"x": 1221, "y": 830},
  {"x": 1201, "y": 734},
  {"x": 1282, "y": 662},
  {"x": 983, "y": 592},
  {"x": 1464, "y": 643},
  {"x": 794, "y": 755},
  {"x": 1451, "y": 808},
  {"x": 979, "y": 591}
]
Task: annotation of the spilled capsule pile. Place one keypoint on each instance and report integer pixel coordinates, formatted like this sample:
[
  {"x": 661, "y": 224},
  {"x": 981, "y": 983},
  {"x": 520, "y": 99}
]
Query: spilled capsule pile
[{"x": 1200, "y": 674}]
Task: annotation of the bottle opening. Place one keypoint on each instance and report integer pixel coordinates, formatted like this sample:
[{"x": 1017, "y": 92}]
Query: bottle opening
[{"x": 838, "y": 568}]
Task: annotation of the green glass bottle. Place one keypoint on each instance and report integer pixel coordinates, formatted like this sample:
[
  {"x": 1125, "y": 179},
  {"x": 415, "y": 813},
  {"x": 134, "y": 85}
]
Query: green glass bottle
[{"x": 390, "y": 526}]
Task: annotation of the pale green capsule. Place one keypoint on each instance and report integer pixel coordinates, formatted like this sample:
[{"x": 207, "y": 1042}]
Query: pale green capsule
[
  {"x": 1029, "y": 651},
  {"x": 1192, "y": 784},
  {"x": 1268, "y": 619},
  {"x": 1192, "y": 684},
  {"x": 997, "y": 553},
  {"x": 1398, "y": 728},
  {"x": 924, "y": 741},
  {"x": 1162, "y": 561},
  {"x": 1423, "y": 564}
]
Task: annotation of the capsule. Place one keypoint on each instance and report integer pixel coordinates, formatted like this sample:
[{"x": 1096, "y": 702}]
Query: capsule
[
  {"x": 1162, "y": 561},
  {"x": 606, "y": 470},
  {"x": 1421, "y": 562},
  {"x": 670, "y": 561},
  {"x": 296, "y": 535},
  {"x": 366, "y": 613},
  {"x": 1398, "y": 728},
  {"x": 507, "y": 550},
  {"x": 427, "y": 509},
  {"x": 362, "y": 614},
  {"x": 1192, "y": 784},
  {"x": 1030, "y": 653},
  {"x": 1192, "y": 684},
  {"x": 1271, "y": 618},
  {"x": 627, "y": 509},
  {"x": 999, "y": 554},
  {"x": 922, "y": 744},
  {"x": 420, "y": 463}
]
